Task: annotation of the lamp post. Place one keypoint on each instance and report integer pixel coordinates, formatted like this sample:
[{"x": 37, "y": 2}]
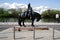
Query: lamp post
[
  {"x": 34, "y": 32},
  {"x": 13, "y": 27},
  {"x": 57, "y": 18}
]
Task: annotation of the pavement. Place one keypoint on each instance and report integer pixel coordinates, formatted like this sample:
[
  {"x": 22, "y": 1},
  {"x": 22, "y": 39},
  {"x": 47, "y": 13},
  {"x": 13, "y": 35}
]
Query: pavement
[
  {"x": 6, "y": 25},
  {"x": 28, "y": 23},
  {"x": 8, "y": 34}
]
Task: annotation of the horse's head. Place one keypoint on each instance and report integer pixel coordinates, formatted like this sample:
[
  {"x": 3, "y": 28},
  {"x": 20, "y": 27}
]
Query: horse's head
[{"x": 38, "y": 18}]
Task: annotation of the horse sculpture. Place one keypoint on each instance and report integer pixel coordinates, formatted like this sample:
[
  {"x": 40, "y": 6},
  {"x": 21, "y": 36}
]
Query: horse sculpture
[
  {"x": 29, "y": 14},
  {"x": 24, "y": 16}
]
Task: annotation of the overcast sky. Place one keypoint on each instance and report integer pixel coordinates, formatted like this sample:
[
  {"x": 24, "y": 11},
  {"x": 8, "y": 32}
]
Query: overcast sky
[
  {"x": 50, "y": 3},
  {"x": 36, "y": 4}
]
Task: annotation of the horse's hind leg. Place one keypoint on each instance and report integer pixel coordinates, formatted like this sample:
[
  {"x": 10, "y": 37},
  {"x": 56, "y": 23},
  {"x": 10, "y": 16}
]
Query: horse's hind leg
[
  {"x": 24, "y": 24},
  {"x": 32, "y": 23}
]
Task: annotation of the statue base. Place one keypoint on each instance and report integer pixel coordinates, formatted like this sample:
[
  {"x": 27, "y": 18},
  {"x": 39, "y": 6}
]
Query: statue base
[{"x": 30, "y": 28}]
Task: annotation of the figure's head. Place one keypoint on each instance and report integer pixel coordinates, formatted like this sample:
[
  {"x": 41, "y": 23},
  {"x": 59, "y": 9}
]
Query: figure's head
[{"x": 29, "y": 5}]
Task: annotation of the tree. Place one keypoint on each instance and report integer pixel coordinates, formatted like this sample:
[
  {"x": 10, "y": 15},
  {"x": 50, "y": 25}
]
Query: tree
[
  {"x": 19, "y": 10},
  {"x": 13, "y": 14},
  {"x": 3, "y": 13},
  {"x": 50, "y": 13},
  {"x": 1, "y": 10}
]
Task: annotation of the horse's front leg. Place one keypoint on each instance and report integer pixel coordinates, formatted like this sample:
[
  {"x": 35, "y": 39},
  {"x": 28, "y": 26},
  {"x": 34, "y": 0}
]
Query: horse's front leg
[{"x": 19, "y": 23}]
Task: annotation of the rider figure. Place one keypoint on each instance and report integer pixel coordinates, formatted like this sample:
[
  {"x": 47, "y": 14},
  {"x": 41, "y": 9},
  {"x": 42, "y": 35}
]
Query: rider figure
[{"x": 29, "y": 10}]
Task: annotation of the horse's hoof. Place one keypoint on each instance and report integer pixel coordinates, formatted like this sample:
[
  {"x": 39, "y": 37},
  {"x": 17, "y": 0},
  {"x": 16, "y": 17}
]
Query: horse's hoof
[
  {"x": 20, "y": 25},
  {"x": 32, "y": 25},
  {"x": 24, "y": 25}
]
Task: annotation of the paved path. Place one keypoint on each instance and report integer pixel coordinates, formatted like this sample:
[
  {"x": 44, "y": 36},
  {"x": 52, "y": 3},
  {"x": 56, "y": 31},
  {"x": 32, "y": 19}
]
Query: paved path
[
  {"x": 28, "y": 35},
  {"x": 4, "y": 25},
  {"x": 7, "y": 33}
]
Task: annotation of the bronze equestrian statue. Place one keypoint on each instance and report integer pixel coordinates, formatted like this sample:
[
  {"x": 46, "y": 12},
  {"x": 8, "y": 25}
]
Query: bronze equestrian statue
[{"x": 29, "y": 14}]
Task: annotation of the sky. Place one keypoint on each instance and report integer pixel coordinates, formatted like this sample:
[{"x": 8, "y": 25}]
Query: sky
[
  {"x": 37, "y": 4},
  {"x": 50, "y": 3}
]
